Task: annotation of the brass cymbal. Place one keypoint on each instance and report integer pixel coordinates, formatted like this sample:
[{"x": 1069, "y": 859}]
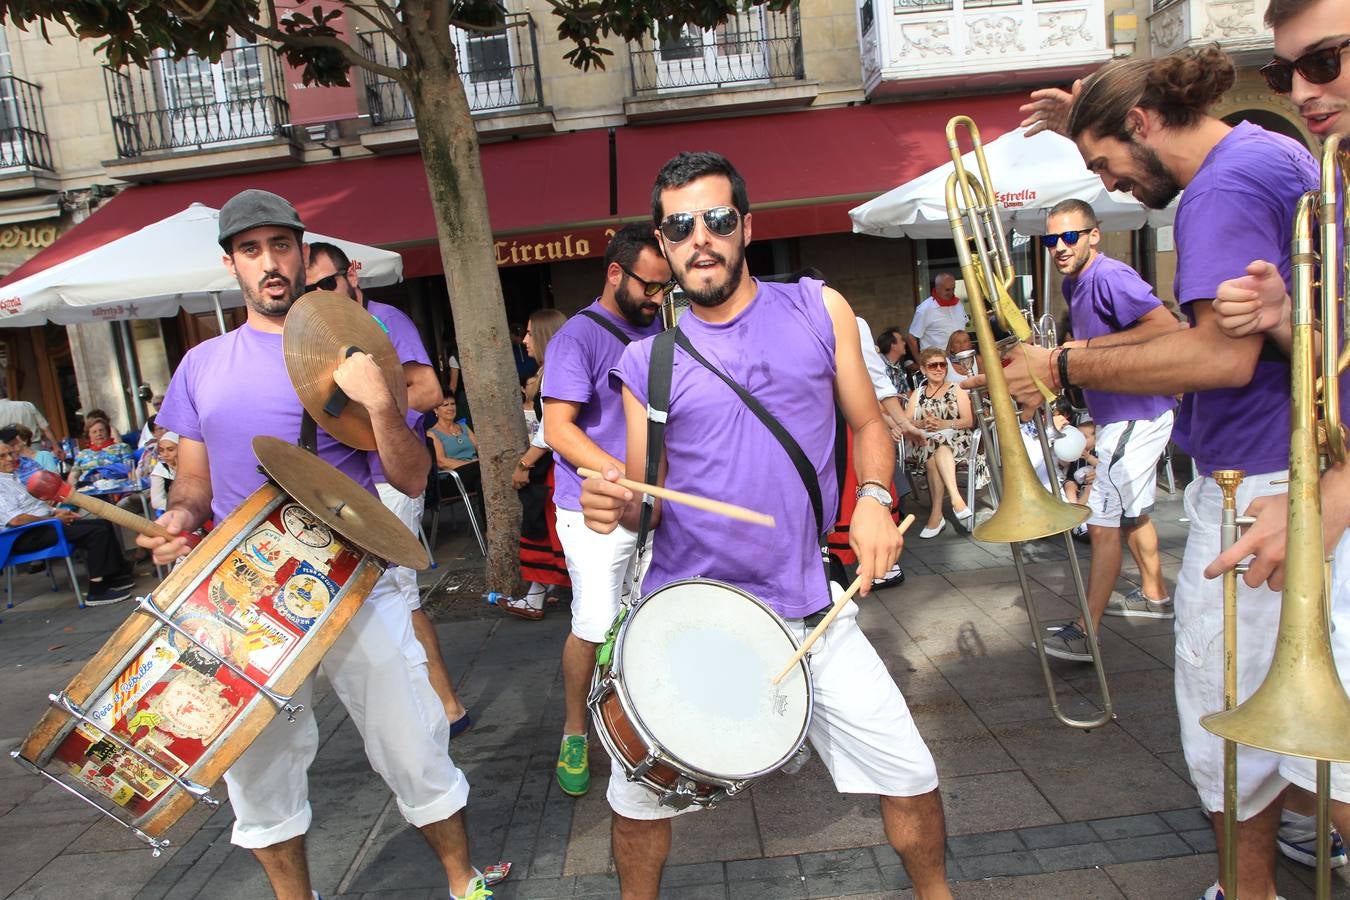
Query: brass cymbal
[
  {"x": 321, "y": 328},
  {"x": 339, "y": 502}
]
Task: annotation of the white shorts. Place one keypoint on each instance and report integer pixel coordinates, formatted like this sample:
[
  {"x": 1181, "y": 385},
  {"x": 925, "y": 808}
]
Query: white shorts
[
  {"x": 603, "y": 570},
  {"x": 1127, "y": 469},
  {"x": 861, "y": 726},
  {"x": 1200, "y": 650},
  {"x": 409, "y": 512},
  {"x": 379, "y": 671},
  {"x": 1303, "y": 772}
]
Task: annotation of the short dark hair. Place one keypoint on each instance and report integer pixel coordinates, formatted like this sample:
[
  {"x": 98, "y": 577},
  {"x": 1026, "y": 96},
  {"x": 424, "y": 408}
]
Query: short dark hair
[
  {"x": 628, "y": 243},
  {"x": 333, "y": 252},
  {"x": 1074, "y": 205},
  {"x": 8, "y": 434},
  {"x": 688, "y": 167},
  {"x": 1281, "y": 11},
  {"x": 888, "y": 338}
]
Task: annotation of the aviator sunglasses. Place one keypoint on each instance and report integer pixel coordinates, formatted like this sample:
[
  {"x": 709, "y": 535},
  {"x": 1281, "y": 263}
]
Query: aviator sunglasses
[
  {"x": 327, "y": 283},
  {"x": 720, "y": 220},
  {"x": 1318, "y": 67},
  {"x": 651, "y": 288},
  {"x": 1070, "y": 238}
]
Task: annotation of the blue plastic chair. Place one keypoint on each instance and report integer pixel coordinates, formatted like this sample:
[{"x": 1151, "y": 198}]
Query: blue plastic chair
[{"x": 9, "y": 559}]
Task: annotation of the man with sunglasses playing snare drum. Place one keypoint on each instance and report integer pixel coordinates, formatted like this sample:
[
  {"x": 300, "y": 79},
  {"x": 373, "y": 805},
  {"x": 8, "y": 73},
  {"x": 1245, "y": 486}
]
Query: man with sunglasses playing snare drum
[
  {"x": 1109, "y": 303},
  {"x": 795, "y": 349},
  {"x": 584, "y": 424}
]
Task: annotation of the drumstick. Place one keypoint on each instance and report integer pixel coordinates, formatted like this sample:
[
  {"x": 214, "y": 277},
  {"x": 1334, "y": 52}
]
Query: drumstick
[
  {"x": 830, "y": 616},
  {"x": 51, "y": 488},
  {"x": 730, "y": 510}
]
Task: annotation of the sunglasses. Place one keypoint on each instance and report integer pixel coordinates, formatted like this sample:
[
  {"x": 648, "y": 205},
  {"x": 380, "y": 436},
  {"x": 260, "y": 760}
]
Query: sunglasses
[
  {"x": 1070, "y": 238},
  {"x": 936, "y": 365},
  {"x": 1318, "y": 67},
  {"x": 327, "y": 283},
  {"x": 651, "y": 288},
  {"x": 720, "y": 220}
]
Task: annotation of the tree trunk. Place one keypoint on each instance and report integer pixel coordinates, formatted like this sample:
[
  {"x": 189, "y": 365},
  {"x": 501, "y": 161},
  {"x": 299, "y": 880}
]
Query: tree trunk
[{"x": 449, "y": 144}]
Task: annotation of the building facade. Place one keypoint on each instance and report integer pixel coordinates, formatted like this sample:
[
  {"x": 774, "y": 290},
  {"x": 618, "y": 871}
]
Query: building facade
[{"x": 822, "y": 107}]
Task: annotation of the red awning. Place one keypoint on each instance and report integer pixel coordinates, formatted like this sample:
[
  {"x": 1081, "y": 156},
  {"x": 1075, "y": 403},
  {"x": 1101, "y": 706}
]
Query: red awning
[
  {"x": 806, "y": 170},
  {"x": 533, "y": 185}
]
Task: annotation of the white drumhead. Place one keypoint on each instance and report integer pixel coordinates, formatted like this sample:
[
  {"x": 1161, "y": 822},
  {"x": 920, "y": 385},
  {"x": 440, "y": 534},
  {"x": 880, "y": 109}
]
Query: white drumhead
[{"x": 697, "y": 661}]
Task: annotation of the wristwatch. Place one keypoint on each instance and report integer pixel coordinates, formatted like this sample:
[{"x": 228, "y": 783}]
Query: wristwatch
[{"x": 879, "y": 494}]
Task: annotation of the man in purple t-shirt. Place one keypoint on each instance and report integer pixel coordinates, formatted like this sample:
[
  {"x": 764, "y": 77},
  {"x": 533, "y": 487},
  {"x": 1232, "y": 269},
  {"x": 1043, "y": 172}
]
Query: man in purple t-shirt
[
  {"x": 796, "y": 349},
  {"x": 1109, "y": 302},
  {"x": 330, "y": 269},
  {"x": 1144, "y": 126},
  {"x": 225, "y": 392},
  {"x": 584, "y": 424}
]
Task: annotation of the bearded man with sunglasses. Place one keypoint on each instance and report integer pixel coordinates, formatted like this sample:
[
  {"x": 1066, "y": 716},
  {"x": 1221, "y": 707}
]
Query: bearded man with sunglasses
[
  {"x": 795, "y": 349},
  {"x": 584, "y": 424},
  {"x": 1144, "y": 126},
  {"x": 1109, "y": 303}
]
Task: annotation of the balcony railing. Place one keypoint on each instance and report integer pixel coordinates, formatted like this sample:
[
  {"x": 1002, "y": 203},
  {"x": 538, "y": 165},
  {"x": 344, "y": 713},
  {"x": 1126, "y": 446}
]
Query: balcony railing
[
  {"x": 755, "y": 46},
  {"x": 23, "y": 126},
  {"x": 194, "y": 104},
  {"x": 1235, "y": 24},
  {"x": 500, "y": 70},
  {"x": 907, "y": 44}
]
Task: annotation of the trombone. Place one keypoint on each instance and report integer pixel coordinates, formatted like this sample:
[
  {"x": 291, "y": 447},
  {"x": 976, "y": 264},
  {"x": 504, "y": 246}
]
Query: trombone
[
  {"x": 1301, "y": 708},
  {"x": 1026, "y": 510}
]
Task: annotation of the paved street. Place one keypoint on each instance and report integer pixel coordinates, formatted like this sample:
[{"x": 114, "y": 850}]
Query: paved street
[{"x": 1034, "y": 809}]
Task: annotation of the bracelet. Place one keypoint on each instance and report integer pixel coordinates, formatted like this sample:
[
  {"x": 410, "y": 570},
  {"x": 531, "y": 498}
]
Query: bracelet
[
  {"x": 1063, "y": 367},
  {"x": 872, "y": 481},
  {"x": 521, "y": 465},
  {"x": 1054, "y": 375}
]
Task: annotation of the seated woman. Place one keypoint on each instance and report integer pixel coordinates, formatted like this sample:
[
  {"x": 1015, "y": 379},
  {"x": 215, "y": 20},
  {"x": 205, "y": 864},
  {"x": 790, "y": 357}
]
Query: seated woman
[
  {"x": 164, "y": 471},
  {"x": 455, "y": 446},
  {"x": 103, "y": 456},
  {"x": 959, "y": 342},
  {"x": 20, "y": 437},
  {"x": 942, "y": 410}
]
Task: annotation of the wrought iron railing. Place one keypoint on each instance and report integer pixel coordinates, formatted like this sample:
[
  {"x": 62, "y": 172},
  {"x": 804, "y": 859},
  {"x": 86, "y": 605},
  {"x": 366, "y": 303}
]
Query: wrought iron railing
[
  {"x": 23, "y": 126},
  {"x": 500, "y": 70},
  {"x": 193, "y": 103},
  {"x": 752, "y": 46}
]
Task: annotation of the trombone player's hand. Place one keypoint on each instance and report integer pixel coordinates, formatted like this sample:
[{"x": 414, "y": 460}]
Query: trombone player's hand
[
  {"x": 1048, "y": 109},
  {"x": 1254, "y": 303},
  {"x": 1021, "y": 362}
]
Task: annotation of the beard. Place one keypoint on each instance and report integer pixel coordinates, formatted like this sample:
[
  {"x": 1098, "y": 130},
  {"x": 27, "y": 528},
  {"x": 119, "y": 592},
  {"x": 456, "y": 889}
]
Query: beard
[
  {"x": 256, "y": 299},
  {"x": 638, "y": 310},
  {"x": 716, "y": 294},
  {"x": 1156, "y": 187}
]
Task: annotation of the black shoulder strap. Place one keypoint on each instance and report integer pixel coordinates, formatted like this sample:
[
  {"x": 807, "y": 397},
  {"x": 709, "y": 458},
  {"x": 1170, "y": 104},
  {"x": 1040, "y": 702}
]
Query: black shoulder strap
[
  {"x": 309, "y": 433},
  {"x": 660, "y": 372},
  {"x": 607, "y": 325},
  {"x": 790, "y": 445}
]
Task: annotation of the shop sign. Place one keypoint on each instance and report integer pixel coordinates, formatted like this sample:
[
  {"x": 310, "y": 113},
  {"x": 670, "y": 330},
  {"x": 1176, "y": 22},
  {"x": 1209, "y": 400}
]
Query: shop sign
[
  {"x": 27, "y": 236},
  {"x": 552, "y": 247}
]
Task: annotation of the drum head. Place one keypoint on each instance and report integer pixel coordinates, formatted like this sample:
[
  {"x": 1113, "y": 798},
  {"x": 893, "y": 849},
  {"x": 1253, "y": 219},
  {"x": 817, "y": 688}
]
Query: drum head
[{"x": 697, "y": 661}]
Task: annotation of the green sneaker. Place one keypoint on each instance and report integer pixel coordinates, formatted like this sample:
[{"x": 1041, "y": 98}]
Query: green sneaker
[
  {"x": 574, "y": 768},
  {"x": 478, "y": 889}
]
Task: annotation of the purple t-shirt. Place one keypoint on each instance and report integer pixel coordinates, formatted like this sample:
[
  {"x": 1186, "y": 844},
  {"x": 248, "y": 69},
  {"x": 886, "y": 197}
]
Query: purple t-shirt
[
  {"x": 408, "y": 345},
  {"x": 781, "y": 350},
  {"x": 1106, "y": 297},
  {"x": 1239, "y": 207},
  {"x": 577, "y": 370},
  {"x": 229, "y": 390}
]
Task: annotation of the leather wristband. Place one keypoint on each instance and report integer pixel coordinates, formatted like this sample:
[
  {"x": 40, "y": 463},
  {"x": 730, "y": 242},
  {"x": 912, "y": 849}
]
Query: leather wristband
[
  {"x": 1053, "y": 373},
  {"x": 1062, "y": 367},
  {"x": 881, "y": 484}
]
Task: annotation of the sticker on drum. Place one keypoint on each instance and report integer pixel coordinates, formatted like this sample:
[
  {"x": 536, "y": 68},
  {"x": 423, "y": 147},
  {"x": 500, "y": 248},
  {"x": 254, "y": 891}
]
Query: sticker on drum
[
  {"x": 191, "y": 706},
  {"x": 133, "y": 682},
  {"x": 305, "y": 595},
  {"x": 100, "y": 777},
  {"x": 146, "y": 780},
  {"x": 238, "y": 584},
  {"x": 305, "y": 527},
  {"x": 219, "y": 641},
  {"x": 266, "y": 548}
]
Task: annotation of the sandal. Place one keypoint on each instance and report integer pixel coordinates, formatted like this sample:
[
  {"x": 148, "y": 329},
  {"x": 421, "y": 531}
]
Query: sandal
[{"x": 520, "y": 608}]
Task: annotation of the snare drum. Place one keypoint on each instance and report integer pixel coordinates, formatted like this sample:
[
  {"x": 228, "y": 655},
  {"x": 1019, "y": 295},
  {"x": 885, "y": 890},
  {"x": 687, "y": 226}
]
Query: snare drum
[
  {"x": 687, "y": 706},
  {"x": 180, "y": 690}
]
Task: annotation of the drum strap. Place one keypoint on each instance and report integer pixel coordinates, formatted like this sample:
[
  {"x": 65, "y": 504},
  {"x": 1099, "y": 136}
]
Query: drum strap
[
  {"x": 607, "y": 325},
  {"x": 660, "y": 371},
  {"x": 309, "y": 433}
]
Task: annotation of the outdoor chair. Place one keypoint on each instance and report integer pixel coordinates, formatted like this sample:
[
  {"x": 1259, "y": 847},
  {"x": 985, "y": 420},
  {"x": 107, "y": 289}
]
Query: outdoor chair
[
  {"x": 448, "y": 488},
  {"x": 61, "y": 549}
]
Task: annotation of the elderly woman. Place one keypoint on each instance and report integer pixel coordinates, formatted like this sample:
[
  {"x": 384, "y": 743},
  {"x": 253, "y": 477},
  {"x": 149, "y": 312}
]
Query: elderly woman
[
  {"x": 104, "y": 454},
  {"x": 942, "y": 410}
]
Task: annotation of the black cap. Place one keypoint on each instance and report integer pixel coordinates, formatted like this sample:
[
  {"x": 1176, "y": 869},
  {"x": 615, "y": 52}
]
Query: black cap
[{"x": 252, "y": 209}]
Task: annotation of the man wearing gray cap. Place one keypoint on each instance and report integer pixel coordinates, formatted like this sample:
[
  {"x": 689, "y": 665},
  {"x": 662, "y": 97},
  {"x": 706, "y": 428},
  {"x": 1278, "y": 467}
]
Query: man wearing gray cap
[{"x": 225, "y": 392}]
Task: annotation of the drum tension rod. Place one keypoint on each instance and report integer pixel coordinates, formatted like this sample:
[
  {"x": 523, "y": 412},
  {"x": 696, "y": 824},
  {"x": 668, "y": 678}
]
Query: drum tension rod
[
  {"x": 147, "y": 604},
  {"x": 198, "y": 792},
  {"x": 156, "y": 846}
]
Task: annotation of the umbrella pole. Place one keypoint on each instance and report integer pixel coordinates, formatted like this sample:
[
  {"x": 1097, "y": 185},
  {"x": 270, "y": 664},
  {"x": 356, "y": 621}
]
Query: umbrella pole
[
  {"x": 133, "y": 371},
  {"x": 220, "y": 315}
]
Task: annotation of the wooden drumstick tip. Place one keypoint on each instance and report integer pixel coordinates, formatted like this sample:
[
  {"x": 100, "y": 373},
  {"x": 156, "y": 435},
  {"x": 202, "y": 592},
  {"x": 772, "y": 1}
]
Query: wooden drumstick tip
[{"x": 721, "y": 508}]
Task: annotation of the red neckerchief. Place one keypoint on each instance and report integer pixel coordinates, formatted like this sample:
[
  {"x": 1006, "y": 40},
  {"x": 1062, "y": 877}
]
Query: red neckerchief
[{"x": 940, "y": 302}]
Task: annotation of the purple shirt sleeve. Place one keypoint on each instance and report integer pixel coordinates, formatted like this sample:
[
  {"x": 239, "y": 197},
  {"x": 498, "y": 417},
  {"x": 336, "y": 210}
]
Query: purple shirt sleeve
[
  {"x": 178, "y": 412},
  {"x": 1239, "y": 226},
  {"x": 571, "y": 382},
  {"x": 402, "y": 333},
  {"x": 631, "y": 372}
]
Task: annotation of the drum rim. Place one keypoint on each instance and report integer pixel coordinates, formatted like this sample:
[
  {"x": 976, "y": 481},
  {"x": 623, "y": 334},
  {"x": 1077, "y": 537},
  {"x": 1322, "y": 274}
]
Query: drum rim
[{"x": 613, "y": 681}]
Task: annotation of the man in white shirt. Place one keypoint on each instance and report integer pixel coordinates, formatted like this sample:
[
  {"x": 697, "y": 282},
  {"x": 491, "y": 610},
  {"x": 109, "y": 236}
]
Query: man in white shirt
[
  {"x": 21, "y": 412},
  {"x": 937, "y": 317}
]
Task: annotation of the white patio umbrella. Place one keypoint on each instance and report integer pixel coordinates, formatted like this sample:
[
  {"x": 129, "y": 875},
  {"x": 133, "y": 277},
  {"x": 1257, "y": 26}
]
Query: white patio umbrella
[
  {"x": 172, "y": 264},
  {"x": 1030, "y": 176}
]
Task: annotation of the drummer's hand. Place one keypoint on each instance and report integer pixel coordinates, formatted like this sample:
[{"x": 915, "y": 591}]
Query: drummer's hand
[
  {"x": 361, "y": 379},
  {"x": 603, "y": 501},
  {"x": 875, "y": 539},
  {"x": 1255, "y": 302},
  {"x": 1018, "y": 366},
  {"x": 1048, "y": 109},
  {"x": 67, "y": 515},
  {"x": 166, "y": 550}
]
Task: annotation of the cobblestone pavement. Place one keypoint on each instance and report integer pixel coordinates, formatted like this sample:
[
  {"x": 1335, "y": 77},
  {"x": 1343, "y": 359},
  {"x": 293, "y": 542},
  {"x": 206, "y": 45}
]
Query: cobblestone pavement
[{"x": 1034, "y": 809}]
